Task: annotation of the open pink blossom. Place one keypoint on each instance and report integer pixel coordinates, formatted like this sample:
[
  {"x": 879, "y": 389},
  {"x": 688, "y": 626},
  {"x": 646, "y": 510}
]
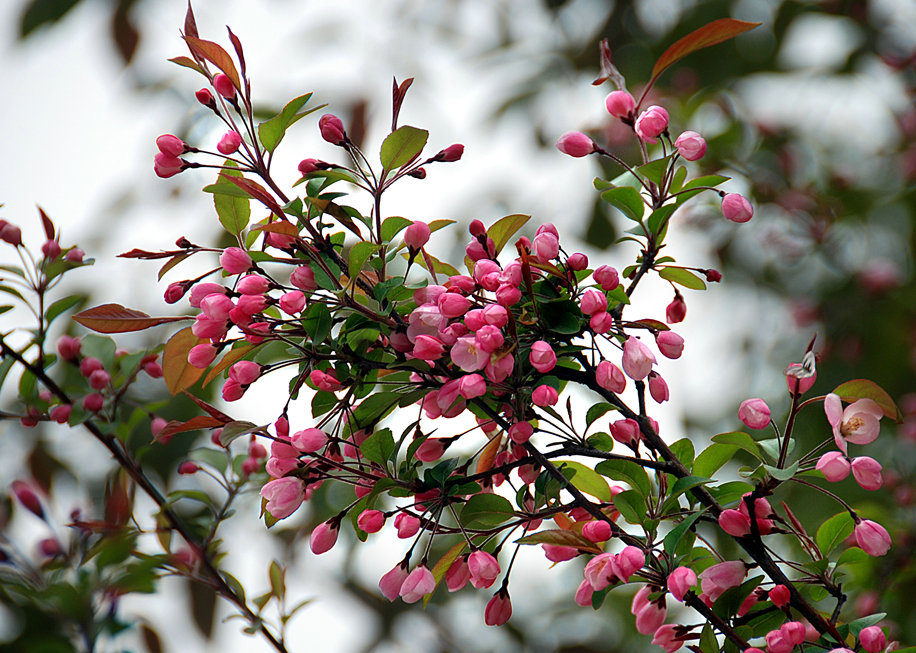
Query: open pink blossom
[
  {"x": 467, "y": 355},
  {"x": 857, "y": 424}
]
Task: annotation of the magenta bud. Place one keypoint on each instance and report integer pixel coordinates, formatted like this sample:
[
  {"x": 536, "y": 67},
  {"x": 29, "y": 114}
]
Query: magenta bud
[
  {"x": 873, "y": 639},
  {"x": 187, "y": 467},
  {"x": 670, "y": 344},
  {"x": 597, "y": 531},
  {"x": 544, "y": 395},
  {"x": 308, "y": 165},
  {"x": 224, "y": 86},
  {"x": 371, "y": 521},
  {"x": 229, "y": 143},
  {"x": 69, "y": 347},
  {"x": 235, "y": 260},
  {"x": 736, "y": 208},
  {"x": 577, "y": 262},
  {"x": 332, "y": 129},
  {"x": 28, "y": 498},
  {"x": 416, "y": 235},
  {"x": 93, "y": 403},
  {"x": 651, "y": 123},
  {"x": 834, "y": 466},
  {"x": 11, "y": 234},
  {"x": 477, "y": 229},
  {"x": 498, "y": 610},
  {"x": 754, "y": 413},
  {"x": 620, "y": 104},
  {"x": 780, "y": 596},
  {"x": 658, "y": 388},
  {"x": 61, "y": 413},
  {"x": 205, "y": 97},
  {"x": 575, "y": 144},
  {"x": 202, "y": 355},
  {"x": 166, "y": 166},
  {"x": 171, "y": 145},
  {"x": 691, "y": 146},
  {"x": 51, "y": 249},
  {"x": 74, "y": 255},
  {"x": 309, "y": 440},
  {"x": 450, "y": 154},
  {"x": 713, "y": 276},
  {"x": 676, "y": 310},
  {"x": 175, "y": 292}
]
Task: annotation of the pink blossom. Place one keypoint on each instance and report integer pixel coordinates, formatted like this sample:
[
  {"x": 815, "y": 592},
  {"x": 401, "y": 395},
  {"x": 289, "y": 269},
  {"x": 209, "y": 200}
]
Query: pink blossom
[
  {"x": 691, "y": 146},
  {"x": 418, "y": 584},
  {"x": 650, "y": 123},
  {"x": 601, "y": 322},
  {"x": 609, "y": 377},
  {"x": 597, "y": 531},
  {"x": 163, "y": 165},
  {"x": 676, "y": 310},
  {"x": 873, "y": 639},
  {"x": 593, "y": 302},
  {"x": 371, "y": 521},
  {"x": 309, "y": 440},
  {"x": 630, "y": 560},
  {"x": 466, "y": 354},
  {"x": 666, "y": 637},
  {"x": 406, "y": 525},
  {"x": 284, "y": 496},
  {"x": 499, "y": 367},
  {"x": 484, "y": 569},
  {"x": 780, "y": 596},
  {"x": 324, "y": 537},
  {"x": 431, "y": 450},
  {"x": 754, "y": 413},
  {"x": 650, "y": 618},
  {"x": 658, "y": 388},
  {"x": 471, "y": 386},
  {"x": 722, "y": 576},
  {"x": 867, "y": 472},
  {"x": 325, "y": 380},
  {"x": 245, "y": 372},
  {"x": 391, "y": 582},
  {"x": 292, "y": 302},
  {"x": 557, "y": 553},
  {"x": 303, "y": 278},
  {"x": 778, "y": 642},
  {"x": 235, "y": 260},
  {"x": 857, "y": 424},
  {"x": 489, "y": 338},
  {"x": 638, "y": 359},
  {"x": 872, "y": 537},
  {"x": 577, "y": 261},
  {"x": 428, "y": 348},
  {"x": 332, "y": 129},
  {"x": 546, "y": 246},
  {"x": 171, "y": 145},
  {"x": 584, "y": 594},
  {"x": 680, "y": 581},
  {"x": 544, "y": 395},
  {"x": 416, "y": 235},
  {"x": 799, "y": 384},
  {"x": 252, "y": 284},
  {"x": 736, "y": 208},
  {"x": 620, "y": 104},
  {"x": 203, "y": 290},
  {"x": 224, "y": 86},
  {"x": 670, "y": 344},
  {"x": 542, "y": 356},
  {"x": 606, "y": 277},
  {"x": 452, "y": 304},
  {"x": 626, "y": 431},
  {"x": 229, "y": 143},
  {"x": 575, "y": 144},
  {"x": 599, "y": 571},
  {"x": 521, "y": 432},
  {"x": 834, "y": 466},
  {"x": 735, "y": 523},
  {"x": 499, "y": 609},
  {"x": 496, "y": 315},
  {"x": 450, "y": 154}
]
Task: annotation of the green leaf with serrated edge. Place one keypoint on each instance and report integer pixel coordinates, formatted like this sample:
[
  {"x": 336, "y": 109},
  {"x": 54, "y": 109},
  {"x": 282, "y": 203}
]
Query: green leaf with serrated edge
[
  {"x": 503, "y": 229},
  {"x": 692, "y": 187},
  {"x": 442, "y": 566},
  {"x": 631, "y": 505},
  {"x": 782, "y": 474},
  {"x": 833, "y": 531},
  {"x": 627, "y": 199},
  {"x": 378, "y": 447},
  {"x": 683, "y": 277},
  {"x": 865, "y": 389},
  {"x": 359, "y": 254},
  {"x": 655, "y": 170},
  {"x": 595, "y": 411},
  {"x": 61, "y": 305},
  {"x": 393, "y": 225},
  {"x": 712, "y": 458},
  {"x": 272, "y": 131},
  {"x": 686, "y": 483},
  {"x": 659, "y": 218},
  {"x": 742, "y": 441},
  {"x": 627, "y": 471},
  {"x": 676, "y": 534},
  {"x": 234, "y": 430},
  {"x": 317, "y": 322},
  {"x": 586, "y": 479},
  {"x": 683, "y": 450},
  {"x": 559, "y": 537},
  {"x": 486, "y": 511},
  {"x": 402, "y": 146}
]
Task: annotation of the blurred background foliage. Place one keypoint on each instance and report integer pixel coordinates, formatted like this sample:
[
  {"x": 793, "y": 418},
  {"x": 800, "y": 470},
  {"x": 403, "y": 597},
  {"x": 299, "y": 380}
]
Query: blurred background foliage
[{"x": 813, "y": 114}]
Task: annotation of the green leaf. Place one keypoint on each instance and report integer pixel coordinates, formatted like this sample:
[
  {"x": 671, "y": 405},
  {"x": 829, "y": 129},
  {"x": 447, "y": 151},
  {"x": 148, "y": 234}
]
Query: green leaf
[
  {"x": 374, "y": 407},
  {"x": 683, "y": 277},
  {"x": 659, "y": 218},
  {"x": 782, "y": 474},
  {"x": 393, "y": 225},
  {"x": 402, "y": 146},
  {"x": 852, "y": 556},
  {"x": 627, "y": 471},
  {"x": 712, "y": 458},
  {"x": 322, "y": 402},
  {"x": 740, "y": 440},
  {"x": 277, "y": 582},
  {"x": 359, "y": 254},
  {"x": 627, "y": 199},
  {"x": 272, "y": 131},
  {"x": 486, "y": 511},
  {"x": 317, "y": 322},
  {"x": 61, "y": 305},
  {"x": 708, "y": 642},
  {"x": 378, "y": 447},
  {"x": 730, "y": 492},
  {"x": 233, "y": 582},
  {"x": 686, "y": 483},
  {"x": 503, "y": 229},
  {"x": 586, "y": 479},
  {"x": 833, "y": 531},
  {"x": 676, "y": 534},
  {"x": 683, "y": 451},
  {"x": 855, "y": 627},
  {"x": 558, "y": 537},
  {"x": 234, "y": 211},
  {"x": 595, "y": 411},
  {"x": 710, "y": 34},
  {"x": 234, "y": 430},
  {"x": 631, "y": 505},
  {"x": 693, "y": 187},
  {"x": 215, "y": 459},
  {"x": 655, "y": 170},
  {"x": 865, "y": 389}
]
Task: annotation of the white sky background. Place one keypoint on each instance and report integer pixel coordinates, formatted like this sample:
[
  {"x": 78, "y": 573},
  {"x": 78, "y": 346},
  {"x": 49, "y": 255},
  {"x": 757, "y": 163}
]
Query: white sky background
[{"x": 77, "y": 135}]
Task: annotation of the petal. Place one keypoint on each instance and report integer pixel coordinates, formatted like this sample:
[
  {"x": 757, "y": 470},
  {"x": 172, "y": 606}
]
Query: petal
[
  {"x": 866, "y": 431},
  {"x": 840, "y": 441},
  {"x": 833, "y": 407},
  {"x": 866, "y": 406}
]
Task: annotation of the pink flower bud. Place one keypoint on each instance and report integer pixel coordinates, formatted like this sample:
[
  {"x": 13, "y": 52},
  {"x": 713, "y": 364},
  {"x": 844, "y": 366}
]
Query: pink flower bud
[
  {"x": 174, "y": 292},
  {"x": 736, "y": 208},
  {"x": 722, "y": 576},
  {"x": 28, "y": 498},
  {"x": 188, "y": 467},
  {"x": 735, "y": 523},
  {"x": 50, "y": 249},
  {"x": 292, "y": 302},
  {"x": 628, "y": 562},
  {"x": 610, "y": 377},
  {"x": 597, "y": 531},
  {"x": 50, "y": 547},
  {"x": 171, "y": 145},
  {"x": 323, "y": 538},
  {"x": 99, "y": 379},
  {"x": 670, "y": 344},
  {"x": 452, "y": 304},
  {"x": 873, "y": 639},
  {"x": 303, "y": 278},
  {"x": 284, "y": 496},
  {"x": 676, "y": 311},
  {"x": 557, "y": 553},
  {"x": 69, "y": 347},
  {"x": 576, "y": 144},
  {"x": 834, "y": 466},
  {"x": 521, "y": 432},
  {"x": 308, "y": 165},
  {"x": 252, "y": 284},
  {"x": 650, "y": 123},
  {"x": 428, "y": 348},
  {"x": 691, "y": 146},
  {"x": 637, "y": 359},
  {"x": 658, "y": 388},
  {"x": 680, "y": 581},
  {"x": 477, "y": 229},
  {"x": 309, "y": 440},
  {"x": 418, "y": 584},
  {"x": 626, "y": 431},
  {"x": 867, "y": 472},
  {"x": 232, "y": 390},
  {"x": 458, "y": 574},
  {"x": 250, "y": 465},
  {"x": 332, "y": 129},
  {"x": 544, "y": 395},
  {"x": 245, "y": 372},
  {"x": 371, "y": 521},
  {"x": 450, "y": 154},
  {"x": 713, "y": 276},
  {"x": 780, "y": 596},
  {"x": 93, "y": 403},
  {"x": 499, "y": 609},
  {"x": 205, "y": 97},
  {"x": 229, "y": 143},
  {"x": 431, "y": 450},
  {"x": 235, "y": 260},
  {"x": 74, "y": 255},
  {"x": 89, "y": 365},
  {"x": 754, "y": 413},
  {"x": 542, "y": 356},
  {"x": 545, "y": 246},
  {"x": 61, "y": 413},
  {"x": 406, "y": 525},
  {"x": 593, "y": 302},
  {"x": 620, "y": 104},
  {"x": 577, "y": 262},
  {"x": 391, "y": 583},
  {"x": 667, "y": 637},
  {"x": 416, "y": 235},
  {"x": 167, "y": 166},
  {"x": 484, "y": 569},
  {"x": 471, "y": 386},
  {"x": 325, "y": 380},
  {"x": 224, "y": 86}
]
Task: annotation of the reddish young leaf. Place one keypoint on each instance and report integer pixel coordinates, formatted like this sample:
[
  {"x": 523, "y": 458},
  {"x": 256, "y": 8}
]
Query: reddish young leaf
[
  {"x": 238, "y": 49},
  {"x": 194, "y": 424},
  {"x": 214, "y": 53},
  {"x": 278, "y": 227},
  {"x": 398, "y": 92},
  {"x": 608, "y": 69},
  {"x": 560, "y": 538},
  {"x": 190, "y": 23},
  {"x": 114, "y": 318},
  {"x": 211, "y": 410},
  {"x": 488, "y": 455},
  {"x": 177, "y": 372},
  {"x": 257, "y": 191},
  {"x": 865, "y": 389},
  {"x": 232, "y": 356},
  {"x": 146, "y": 255},
  {"x": 46, "y": 223}
]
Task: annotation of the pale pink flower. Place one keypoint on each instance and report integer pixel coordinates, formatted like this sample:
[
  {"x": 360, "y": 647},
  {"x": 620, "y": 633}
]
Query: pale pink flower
[
  {"x": 499, "y": 609},
  {"x": 466, "y": 354},
  {"x": 867, "y": 472},
  {"x": 680, "y": 581},
  {"x": 857, "y": 424},
  {"x": 638, "y": 359},
  {"x": 484, "y": 569},
  {"x": 754, "y": 413},
  {"x": 872, "y": 537},
  {"x": 471, "y": 386},
  {"x": 284, "y": 496},
  {"x": 599, "y": 572},
  {"x": 418, "y": 584}
]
